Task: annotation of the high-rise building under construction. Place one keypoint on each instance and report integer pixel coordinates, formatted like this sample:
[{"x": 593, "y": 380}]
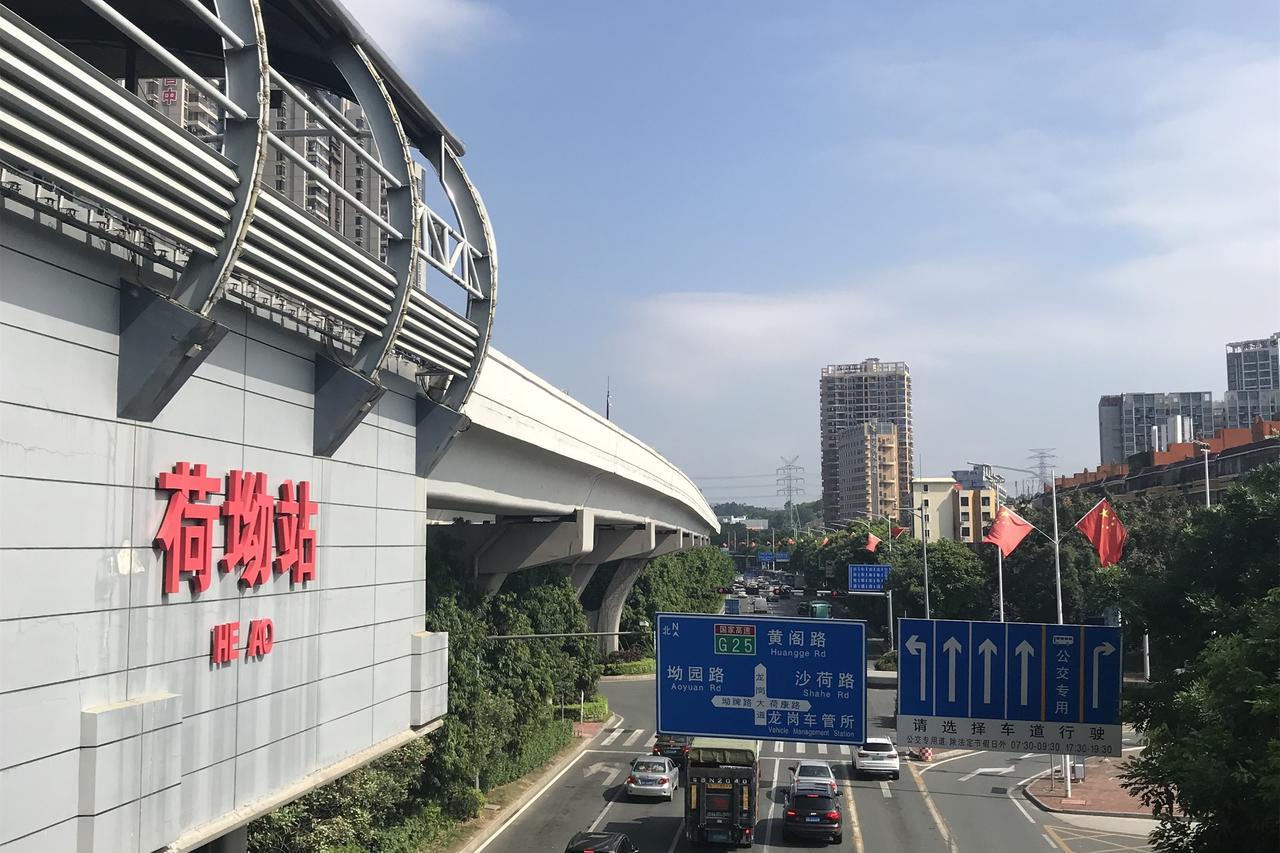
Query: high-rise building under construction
[{"x": 849, "y": 395}]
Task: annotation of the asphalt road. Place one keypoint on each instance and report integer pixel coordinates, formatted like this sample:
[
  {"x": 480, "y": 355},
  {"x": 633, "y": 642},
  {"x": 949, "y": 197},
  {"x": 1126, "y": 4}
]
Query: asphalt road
[{"x": 963, "y": 803}]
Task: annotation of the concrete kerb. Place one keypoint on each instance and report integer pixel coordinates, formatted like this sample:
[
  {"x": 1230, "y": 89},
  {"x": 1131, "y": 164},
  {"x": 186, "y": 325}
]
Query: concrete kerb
[
  {"x": 644, "y": 676},
  {"x": 1045, "y": 807},
  {"x": 510, "y": 810}
]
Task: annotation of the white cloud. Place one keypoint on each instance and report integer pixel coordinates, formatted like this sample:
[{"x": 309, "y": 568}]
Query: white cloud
[
  {"x": 412, "y": 30},
  {"x": 1170, "y": 156}
]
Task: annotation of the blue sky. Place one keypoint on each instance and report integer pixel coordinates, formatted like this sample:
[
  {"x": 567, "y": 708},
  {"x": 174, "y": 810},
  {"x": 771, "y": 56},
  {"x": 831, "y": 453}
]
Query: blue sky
[{"x": 1031, "y": 203}]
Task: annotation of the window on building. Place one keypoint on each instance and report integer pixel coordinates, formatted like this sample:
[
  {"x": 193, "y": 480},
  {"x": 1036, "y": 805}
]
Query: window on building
[
  {"x": 986, "y": 516},
  {"x": 986, "y": 500},
  {"x": 964, "y": 500},
  {"x": 924, "y": 487},
  {"x": 964, "y": 516},
  {"x": 964, "y": 532},
  {"x": 924, "y": 502},
  {"x": 280, "y": 186}
]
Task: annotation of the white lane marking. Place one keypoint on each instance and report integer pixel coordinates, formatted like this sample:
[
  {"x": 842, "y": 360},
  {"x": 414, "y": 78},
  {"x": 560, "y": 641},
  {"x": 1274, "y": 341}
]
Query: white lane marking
[
  {"x": 648, "y": 744},
  {"x": 884, "y": 789},
  {"x": 633, "y": 738},
  {"x": 777, "y": 746},
  {"x": 676, "y": 840},
  {"x": 554, "y": 779},
  {"x": 822, "y": 749},
  {"x": 1048, "y": 840},
  {"x": 800, "y": 748},
  {"x": 1028, "y": 755},
  {"x": 604, "y": 811},
  {"x": 855, "y": 829},
  {"x": 941, "y": 824},
  {"x": 844, "y": 749},
  {"x": 773, "y": 809},
  {"x": 942, "y": 761},
  {"x": 613, "y": 735},
  {"x": 1019, "y": 787}
]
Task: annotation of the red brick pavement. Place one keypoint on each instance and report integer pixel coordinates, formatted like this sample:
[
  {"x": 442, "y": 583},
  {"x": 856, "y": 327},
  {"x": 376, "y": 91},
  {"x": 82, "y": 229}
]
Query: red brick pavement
[{"x": 1099, "y": 793}]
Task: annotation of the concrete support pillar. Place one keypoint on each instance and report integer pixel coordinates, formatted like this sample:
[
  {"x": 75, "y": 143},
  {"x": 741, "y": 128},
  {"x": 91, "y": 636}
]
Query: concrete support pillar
[
  {"x": 492, "y": 582},
  {"x": 581, "y": 575},
  {"x": 610, "y": 615}
]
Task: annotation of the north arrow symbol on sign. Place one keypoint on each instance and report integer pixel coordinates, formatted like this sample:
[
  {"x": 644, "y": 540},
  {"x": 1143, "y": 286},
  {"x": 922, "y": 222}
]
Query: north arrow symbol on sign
[
  {"x": 918, "y": 649},
  {"x": 987, "y": 649},
  {"x": 1025, "y": 652},
  {"x": 952, "y": 647}
]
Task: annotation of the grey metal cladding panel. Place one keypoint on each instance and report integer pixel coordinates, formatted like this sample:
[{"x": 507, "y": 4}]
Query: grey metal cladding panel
[
  {"x": 395, "y": 639},
  {"x": 276, "y": 373},
  {"x": 391, "y": 678},
  {"x": 344, "y": 694},
  {"x": 400, "y": 528},
  {"x": 345, "y": 651},
  {"x": 280, "y": 466},
  {"x": 277, "y": 425},
  {"x": 396, "y": 412},
  {"x": 346, "y": 525},
  {"x": 71, "y": 379},
  {"x": 159, "y": 450},
  {"x": 44, "y": 720},
  {"x": 337, "y": 739},
  {"x": 396, "y": 490},
  {"x": 207, "y": 793},
  {"x": 206, "y": 408},
  {"x": 268, "y": 719},
  {"x": 110, "y": 775},
  {"x": 61, "y": 836},
  {"x": 345, "y": 483},
  {"x": 48, "y": 300},
  {"x": 400, "y": 600},
  {"x": 47, "y": 582},
  {"x": 342, "y": 567},
  {"x": 201, "y": 685},
  {"x": 396, "y": 451},
  {"x": 361, "y": 447},
  {"x": 30, "y": 807},
  {"x": 49, "y": 445},
  {"x": 208, "y": 738},
  {"x": 294, "y": 615},
  {"x": 274, "y": 766},
  {"x": 180, "y": 631},
  {"x": 346, "y": 608},
  {"x": 390, "y": 717},
  {"x": 397, "y": 565},
  {"x": 70, "y": 647},
  {"x": 291, "y": 663}
]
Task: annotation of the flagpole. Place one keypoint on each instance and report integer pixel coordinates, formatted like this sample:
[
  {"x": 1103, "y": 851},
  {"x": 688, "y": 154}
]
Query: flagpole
[
  {"x": 1000, "y": 578},
  {"x": 1057, "y": 548}
]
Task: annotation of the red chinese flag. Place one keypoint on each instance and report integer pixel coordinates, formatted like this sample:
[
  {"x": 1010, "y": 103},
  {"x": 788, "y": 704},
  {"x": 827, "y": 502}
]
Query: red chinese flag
[
  {"x": 1008, "y": 531},
  {"x": 873, "y": 542},
  {"x": 1103, "y": 529},
  {"x": 826, "y": 540},
  {"x": 895, "y": 532}
]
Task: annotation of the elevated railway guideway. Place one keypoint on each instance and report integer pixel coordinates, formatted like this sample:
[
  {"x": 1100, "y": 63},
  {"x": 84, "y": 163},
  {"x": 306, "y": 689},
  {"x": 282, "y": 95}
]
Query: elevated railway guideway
[{"x": 247, "y": 292}]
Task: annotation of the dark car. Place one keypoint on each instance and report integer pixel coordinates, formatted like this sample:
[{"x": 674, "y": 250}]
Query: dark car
[
  {"x": 804, "y": 609},
  {"x": 601, "y": 842},
  {"x": 812, "y": 812},
  {"x": 672, "y": 746}
]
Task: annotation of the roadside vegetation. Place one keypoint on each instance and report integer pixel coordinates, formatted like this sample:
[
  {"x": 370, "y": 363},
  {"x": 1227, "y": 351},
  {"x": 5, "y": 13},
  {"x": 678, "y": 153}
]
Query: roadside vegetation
[{"x": 512, "y": 705}]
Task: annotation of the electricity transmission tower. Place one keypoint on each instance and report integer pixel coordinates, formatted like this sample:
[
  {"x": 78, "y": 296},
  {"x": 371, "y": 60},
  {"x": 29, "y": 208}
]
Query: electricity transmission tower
[
  {"x": 791, "y": 483},
  {"x": 1043, "y": 458}
]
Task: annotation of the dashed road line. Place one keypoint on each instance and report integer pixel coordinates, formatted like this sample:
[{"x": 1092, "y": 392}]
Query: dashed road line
[
  {"x": 884, "y": 789},
  {"x": 822, "y": 749},
  {"x": 800, "y": 748},
  {"x": 613, "y": 735},
  {"x": 634, "y": 737},
  {"x": 933, "y": 810}
]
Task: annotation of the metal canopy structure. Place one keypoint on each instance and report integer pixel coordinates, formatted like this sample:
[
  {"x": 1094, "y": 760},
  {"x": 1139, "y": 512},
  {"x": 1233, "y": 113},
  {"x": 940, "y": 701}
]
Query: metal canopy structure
[{"x": 201, "y": 210}]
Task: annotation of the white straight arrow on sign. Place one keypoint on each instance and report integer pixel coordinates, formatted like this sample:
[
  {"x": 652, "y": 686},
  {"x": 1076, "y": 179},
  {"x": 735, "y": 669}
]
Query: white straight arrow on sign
[
  {"x": 986, "y": 649},
  {"x": 1098, "y": 651},
  {"x": 952, "y": 647},
  {"x": 918, "y": 649},
  {"x": 1025, "y": 651}
]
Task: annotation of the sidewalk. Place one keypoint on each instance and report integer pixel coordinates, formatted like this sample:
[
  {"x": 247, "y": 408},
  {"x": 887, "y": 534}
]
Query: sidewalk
[{"x": 1099, "y": 794}]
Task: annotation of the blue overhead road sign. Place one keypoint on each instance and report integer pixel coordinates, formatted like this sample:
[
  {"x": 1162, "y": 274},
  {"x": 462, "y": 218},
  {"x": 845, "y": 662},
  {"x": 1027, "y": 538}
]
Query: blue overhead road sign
[
  {"x": 1009, "y": 686},
  {"x": 868, "y": 578},
  {"x": 762, "y": 677}
]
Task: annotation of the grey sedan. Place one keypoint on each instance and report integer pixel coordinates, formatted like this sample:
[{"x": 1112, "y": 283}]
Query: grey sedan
[{"x": 653, "y": 776}]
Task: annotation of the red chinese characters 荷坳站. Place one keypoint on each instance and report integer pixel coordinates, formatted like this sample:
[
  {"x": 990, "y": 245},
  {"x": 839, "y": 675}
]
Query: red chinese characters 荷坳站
[
  {"x": 186, "y": 531},
  {"x": 248, "y": 512},
  {"x": 296, "y": 539}
]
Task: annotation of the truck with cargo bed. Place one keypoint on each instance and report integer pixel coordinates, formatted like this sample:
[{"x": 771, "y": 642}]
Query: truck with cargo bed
[{"x": 721, "y": 779}]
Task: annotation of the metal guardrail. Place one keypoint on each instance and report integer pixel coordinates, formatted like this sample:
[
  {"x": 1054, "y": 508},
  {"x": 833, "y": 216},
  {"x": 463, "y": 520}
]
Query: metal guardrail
[{"x": 202, "y": 206}]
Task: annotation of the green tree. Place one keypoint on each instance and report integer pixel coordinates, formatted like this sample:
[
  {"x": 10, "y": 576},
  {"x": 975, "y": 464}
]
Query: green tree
[
  {"x": 957, "y": 582},
  {"x": 1211, "y": 717}
]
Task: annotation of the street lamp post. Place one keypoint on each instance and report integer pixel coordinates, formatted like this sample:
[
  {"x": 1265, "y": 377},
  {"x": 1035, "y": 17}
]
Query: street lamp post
[{"x": 1205, "y": 449}]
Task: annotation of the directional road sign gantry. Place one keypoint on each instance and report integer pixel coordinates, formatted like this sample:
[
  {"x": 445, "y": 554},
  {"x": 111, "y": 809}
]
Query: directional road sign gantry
[
  {"x": 1014, "y": 686},
  {"x": 762, "y": 677}
]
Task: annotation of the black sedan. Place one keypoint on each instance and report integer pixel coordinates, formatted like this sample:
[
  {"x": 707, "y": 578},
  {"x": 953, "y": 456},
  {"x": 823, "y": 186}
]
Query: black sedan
[{"x": 813, "y": 814}]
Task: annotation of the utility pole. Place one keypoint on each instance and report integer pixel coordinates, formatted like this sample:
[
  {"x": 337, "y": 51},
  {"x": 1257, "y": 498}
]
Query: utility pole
[
  {"x": 790, "y": 481},
  {"x": 608, "y": 398}
]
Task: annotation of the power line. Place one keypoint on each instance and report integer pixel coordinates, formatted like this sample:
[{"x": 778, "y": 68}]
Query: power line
[{"x": 732, "y": 477}]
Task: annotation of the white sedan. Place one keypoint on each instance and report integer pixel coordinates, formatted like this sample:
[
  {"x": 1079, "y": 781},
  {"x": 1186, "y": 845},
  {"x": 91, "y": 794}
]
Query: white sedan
[
  {"x": 653, "y": 776},
  {"x": 877, "y": 756}
]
